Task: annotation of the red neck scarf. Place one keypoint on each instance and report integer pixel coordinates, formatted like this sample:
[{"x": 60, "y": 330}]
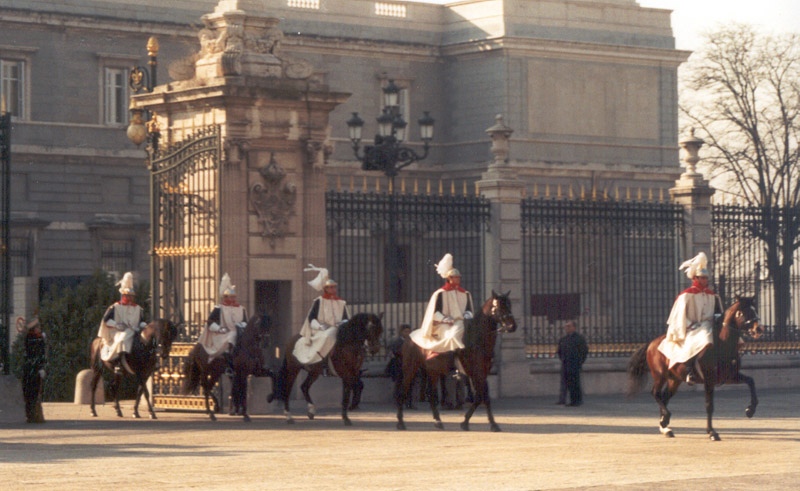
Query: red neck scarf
[
  {"x": 449, "y": 287},
  {"x": 330, "y": 296},
  {"x": 696, "y": 288},
  {"x": 229, "y": 302},
  {"x": 126, "y": 300}
]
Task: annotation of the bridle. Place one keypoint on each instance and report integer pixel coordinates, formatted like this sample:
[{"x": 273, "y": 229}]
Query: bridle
[
  {"x": 503, "y": 320},
  {"x": 749, "y": 324}
]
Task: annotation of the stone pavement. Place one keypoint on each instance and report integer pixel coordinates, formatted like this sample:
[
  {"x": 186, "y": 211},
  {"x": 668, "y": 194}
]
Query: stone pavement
[{"x": 608, "y": 443}]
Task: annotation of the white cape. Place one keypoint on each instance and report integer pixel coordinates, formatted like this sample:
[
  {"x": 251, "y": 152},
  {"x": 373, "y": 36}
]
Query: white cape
[
  {"x": 441, "y": 338},
  {"x": 316, "y": 342},
  {"x": 115, "y": 340},
  {"x": 690, "y": 327}
]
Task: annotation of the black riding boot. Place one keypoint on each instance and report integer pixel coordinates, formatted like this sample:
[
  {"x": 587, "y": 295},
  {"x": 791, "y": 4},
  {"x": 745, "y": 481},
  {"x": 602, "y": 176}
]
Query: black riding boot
[
  {"x": 228, "y": 358},
  {"x": 692, "y": 375}
]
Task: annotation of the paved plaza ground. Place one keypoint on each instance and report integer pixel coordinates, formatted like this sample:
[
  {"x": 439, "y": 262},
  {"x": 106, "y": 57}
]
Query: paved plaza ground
[{"x": 608, "y": 443}]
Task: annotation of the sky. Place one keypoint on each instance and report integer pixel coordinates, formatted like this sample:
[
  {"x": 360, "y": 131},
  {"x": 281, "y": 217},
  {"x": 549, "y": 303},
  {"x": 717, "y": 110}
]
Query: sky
[{"x": 691, "y": 17}]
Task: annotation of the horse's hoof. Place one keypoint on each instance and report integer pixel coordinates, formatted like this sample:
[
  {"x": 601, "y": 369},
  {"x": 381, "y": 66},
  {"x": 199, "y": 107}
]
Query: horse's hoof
[
  {"x": 212, "y": 417},
  {"x": 669, "y": 434},
  {"x": 119, "y": 414},
  {"x": 94, "y": 414},
  {"x": 246, "y": 418},
  {"x": 465, "y": 426},
  {"x": 153, "y": 416},
  {"x": 750, "y": 411},
  {"x": 136, "y": 416},
  {"x": 310, "y": 415},
  {"x": 401, "y": 425},
  {"x": 347, "y": 422},
  {"x": 438, "y": 425},
  {"x": 713, "y": 436},
  {"x": 495, "y": 428},
  {"x": 290, "y": 421}
]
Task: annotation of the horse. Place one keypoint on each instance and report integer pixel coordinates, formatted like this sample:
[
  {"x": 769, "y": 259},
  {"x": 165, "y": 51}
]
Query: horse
[
  {"x": 719, "y": 364},
  {"x": 247, "y": 359},
  {"x": 154, "y": 340},
  {"x": 476, "y": 358},
  {"x": 346, "y": 359}
]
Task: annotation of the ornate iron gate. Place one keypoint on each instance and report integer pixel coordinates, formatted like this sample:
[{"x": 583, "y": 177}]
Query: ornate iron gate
[
  {"x": 370, "y": 233},
  {"x": 5, "y": 233},
  {"x": 185, "y": 243},
  {"x": 613, "y": 263}
]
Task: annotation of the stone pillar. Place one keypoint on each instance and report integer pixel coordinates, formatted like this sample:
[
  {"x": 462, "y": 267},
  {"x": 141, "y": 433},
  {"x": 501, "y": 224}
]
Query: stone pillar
[
  {"x": 273, "y": 113},
  {"x": 694, "y": 193},
  {"x": 501, "y": 185}
]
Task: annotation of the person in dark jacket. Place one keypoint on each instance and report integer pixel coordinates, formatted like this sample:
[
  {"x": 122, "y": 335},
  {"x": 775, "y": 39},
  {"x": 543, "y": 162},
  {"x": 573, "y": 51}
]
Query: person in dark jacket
[
  {"x": 572, "y": 350},
  {"x": 33, "y": 369}
]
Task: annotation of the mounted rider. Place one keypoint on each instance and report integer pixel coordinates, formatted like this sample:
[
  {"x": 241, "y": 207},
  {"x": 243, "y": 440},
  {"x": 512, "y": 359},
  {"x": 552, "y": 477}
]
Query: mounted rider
[
  {"x": 122, "y": 321},
  {"x": 691, "y": 321},
  {"x": 442, "y": 327},
  {"x": 318, "y": 334},
  {"x": 223, "y": 326}
]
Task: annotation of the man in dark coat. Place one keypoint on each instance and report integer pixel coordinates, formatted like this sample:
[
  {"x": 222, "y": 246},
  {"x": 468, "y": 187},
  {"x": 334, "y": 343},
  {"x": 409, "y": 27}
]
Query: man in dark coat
[
  {"x": 33, "y": 372},
  {"x": 572, "y": 350}
]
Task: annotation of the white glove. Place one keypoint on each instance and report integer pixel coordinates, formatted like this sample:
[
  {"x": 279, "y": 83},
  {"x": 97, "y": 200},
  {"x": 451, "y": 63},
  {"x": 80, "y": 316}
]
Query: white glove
[
  {"x": 42, "y": 373},
  {"x": 111, "y": 323},
  {"x": 316, "y": 325},
  {"x": 142, "y": 325},
  {"x": 468, "y": 315},
  {"x": 213, "y": 327},
  {"x": 241, "y": 325}
]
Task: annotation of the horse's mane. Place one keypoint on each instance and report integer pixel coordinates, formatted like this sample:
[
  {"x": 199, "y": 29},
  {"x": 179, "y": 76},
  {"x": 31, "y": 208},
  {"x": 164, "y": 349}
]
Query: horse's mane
[{"x": 354, "y": 331}]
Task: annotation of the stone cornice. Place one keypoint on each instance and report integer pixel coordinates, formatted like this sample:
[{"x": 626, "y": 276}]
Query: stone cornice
[{"x": 568, "y": 49}]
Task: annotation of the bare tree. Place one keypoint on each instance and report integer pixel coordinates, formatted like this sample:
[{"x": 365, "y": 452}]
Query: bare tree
[{"x": 742, "y": 90}]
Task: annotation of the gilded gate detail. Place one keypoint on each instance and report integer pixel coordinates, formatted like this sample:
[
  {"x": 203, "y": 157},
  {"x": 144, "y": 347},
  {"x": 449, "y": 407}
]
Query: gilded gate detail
[{"x": 185, "y": 249}]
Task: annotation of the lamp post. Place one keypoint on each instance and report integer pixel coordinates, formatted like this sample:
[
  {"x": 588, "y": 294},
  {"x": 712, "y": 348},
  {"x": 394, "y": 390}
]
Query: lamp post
[
  {"x": 388, "y": 155},
  {"x": 143, "y": 125}
]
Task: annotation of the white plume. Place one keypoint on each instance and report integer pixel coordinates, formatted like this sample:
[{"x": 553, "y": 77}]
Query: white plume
[
  {"x": 445, "y": 265},
  {"x": 126, "y": 284},
  {"x": 226, "y": 286},
  {"x": 319, "y": 282},
  {"x": 694, "y": 264}
]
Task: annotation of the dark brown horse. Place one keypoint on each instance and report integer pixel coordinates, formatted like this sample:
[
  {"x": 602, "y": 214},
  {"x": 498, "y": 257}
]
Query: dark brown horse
[
  {"x": 346, "y": 357},
  {"x": 718, "y": 364},
  {"x": 247, "y": 359},
  {"x": 476, "y": 358},
  {"x": 155, "y": 339}
]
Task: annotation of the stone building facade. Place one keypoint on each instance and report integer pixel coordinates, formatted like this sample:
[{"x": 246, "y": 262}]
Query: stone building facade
[{"x": 589, "y": 87}]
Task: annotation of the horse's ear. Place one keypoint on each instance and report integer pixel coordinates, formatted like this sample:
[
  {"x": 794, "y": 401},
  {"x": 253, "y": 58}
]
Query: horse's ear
[
  {"x": 507, "y": 293},
  {"x": 737, "y": 298},
  {"x": 380, "y": 316},
  {"x": 494, "y": 294}
]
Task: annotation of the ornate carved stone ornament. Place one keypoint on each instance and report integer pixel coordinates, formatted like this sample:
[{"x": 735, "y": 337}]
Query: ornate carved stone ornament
[
  {"x": 317, "y": 152},
  {"x": 236, "y": 150},
  {"x": 273, "y": 201}
]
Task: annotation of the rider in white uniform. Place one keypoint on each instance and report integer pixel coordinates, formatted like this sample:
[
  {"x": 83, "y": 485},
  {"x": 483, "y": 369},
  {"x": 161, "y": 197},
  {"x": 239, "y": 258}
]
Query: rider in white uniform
[
  {"x": 219, "y": 335},
  {"x": 318, "y": 334},
  {"x": 122, "y": 321}
]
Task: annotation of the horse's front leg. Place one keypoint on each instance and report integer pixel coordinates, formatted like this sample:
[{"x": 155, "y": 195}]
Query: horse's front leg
[
  {"x": 710, "y": 410},
  {"x": 313, "y": 374},
  {"x": 347, "y": 390},
  {"x": 146, "y": 394},
  {"x": 139, "y": 387},
  {"x": 96, "y": 374},
  {"x": 115, "y": 383},
  {"x": 208, "y": 396},
  {"x": 433, "y": 397},
  {"x": 750, "y": 411}
]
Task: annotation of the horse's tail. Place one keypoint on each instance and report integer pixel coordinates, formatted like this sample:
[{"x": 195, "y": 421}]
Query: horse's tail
[
  {"x": 637, "y": 371},
  {"x": 279, "y": 388},
  {"x": 191, "y": 374}
]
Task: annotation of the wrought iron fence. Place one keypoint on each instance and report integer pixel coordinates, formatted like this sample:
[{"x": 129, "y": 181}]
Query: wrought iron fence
[
  {"x": 383, "y": 247},
  {"x": 609, "y": 265},
  {"x": 741, "y": 240}
]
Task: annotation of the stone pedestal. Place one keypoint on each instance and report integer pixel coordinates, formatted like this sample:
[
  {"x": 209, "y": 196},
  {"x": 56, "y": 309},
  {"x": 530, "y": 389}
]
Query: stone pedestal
[
  {"x": 12, "y": 405},
  {"x": 83, "y": 392},
  {"x": 694, "y": 193}
]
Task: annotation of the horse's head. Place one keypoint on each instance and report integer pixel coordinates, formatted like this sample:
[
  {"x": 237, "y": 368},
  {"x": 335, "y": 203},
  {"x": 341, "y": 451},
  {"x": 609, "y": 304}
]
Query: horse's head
[
  {"x": 742, "y": 316},
  {"x": 166, "y": 333},
  {"x": 498, "y": 308},
  {"x": 374, "y": 331}
]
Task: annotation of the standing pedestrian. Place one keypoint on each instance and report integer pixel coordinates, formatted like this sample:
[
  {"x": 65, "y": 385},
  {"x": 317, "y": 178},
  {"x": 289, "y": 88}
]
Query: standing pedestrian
[
  {"x": 572, "y": 350},
  {"x": 33, "y": 368}
]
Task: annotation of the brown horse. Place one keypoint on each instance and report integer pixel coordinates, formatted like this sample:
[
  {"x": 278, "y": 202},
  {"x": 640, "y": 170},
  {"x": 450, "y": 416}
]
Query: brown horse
[
  {"x": 155, "y": 339},
  {"x": 247, "y": 359},
  {"x": 346, "y": 358},
  {"x": 718, "y": 364},
  {"x": 476, "y": 358}
]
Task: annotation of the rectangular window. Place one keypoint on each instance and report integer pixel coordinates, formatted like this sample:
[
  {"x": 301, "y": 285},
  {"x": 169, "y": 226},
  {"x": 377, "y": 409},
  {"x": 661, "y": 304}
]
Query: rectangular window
[
  {"x": 303, "y": 4},
  {"x": 386, "y": 9},
  {"x": 19, "y": 251},
  {"x": 116, "y": 256},
  {"x": 116, "y": 96},
  {"x": 12, "y": 83}
]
